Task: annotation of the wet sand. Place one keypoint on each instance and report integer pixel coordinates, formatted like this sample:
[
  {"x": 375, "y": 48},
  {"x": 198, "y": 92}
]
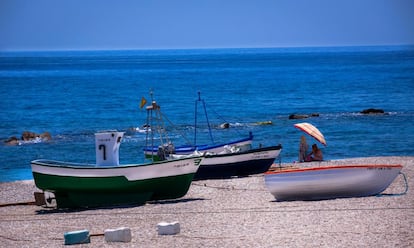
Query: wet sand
[{"x": 237, "y": 212}]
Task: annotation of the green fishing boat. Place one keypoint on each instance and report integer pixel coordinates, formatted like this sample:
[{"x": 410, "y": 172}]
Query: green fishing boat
[
  {"x": 89, "y": 185},
  {"x": 107, "y": 183}
]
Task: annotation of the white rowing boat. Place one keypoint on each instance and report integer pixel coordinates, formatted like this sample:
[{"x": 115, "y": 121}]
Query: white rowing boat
[{"x": 329, "y": 182}]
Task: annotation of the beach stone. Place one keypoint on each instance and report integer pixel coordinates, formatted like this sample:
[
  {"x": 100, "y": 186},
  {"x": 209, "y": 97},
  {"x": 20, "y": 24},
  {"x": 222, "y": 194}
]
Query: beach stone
[
  {"x": 122, "y": 234},
  {"x": 77, "y": 237},
  {"x": 165, "y": 228}
]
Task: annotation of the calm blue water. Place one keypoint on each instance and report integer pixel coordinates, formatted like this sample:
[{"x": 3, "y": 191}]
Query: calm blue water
[{"x": 74, "y": 94}]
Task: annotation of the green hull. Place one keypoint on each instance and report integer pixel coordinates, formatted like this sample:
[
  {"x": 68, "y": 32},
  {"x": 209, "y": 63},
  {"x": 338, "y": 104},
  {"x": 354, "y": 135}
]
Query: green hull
[{"x": 72, "y": 192}]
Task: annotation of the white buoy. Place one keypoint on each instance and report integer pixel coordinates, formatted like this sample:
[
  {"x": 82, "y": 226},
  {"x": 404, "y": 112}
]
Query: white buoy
[
  {"x": 165, "y": 228},
  {"x": 122, "y": 234}
]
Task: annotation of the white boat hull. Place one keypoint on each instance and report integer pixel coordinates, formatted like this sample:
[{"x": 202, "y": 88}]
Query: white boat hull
[
  {"x": 131, "y": 172},
  {"x": 330, "y": 182}
]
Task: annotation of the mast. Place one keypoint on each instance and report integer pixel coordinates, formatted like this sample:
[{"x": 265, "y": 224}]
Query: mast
[
  {"x": 157, "y": 125},
  {"x": 195, "y": 119}
]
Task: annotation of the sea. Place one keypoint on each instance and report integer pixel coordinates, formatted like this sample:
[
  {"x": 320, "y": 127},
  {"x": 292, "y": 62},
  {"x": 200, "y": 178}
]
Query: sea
[{"x": 74, "y": 94}]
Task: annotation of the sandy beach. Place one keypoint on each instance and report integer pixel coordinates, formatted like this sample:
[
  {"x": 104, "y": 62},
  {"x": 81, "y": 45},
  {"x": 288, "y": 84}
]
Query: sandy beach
[{"x": 237, "y": 212}]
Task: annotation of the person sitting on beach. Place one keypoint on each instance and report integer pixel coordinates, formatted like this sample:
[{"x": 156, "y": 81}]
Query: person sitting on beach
[
  {"x": 315, "y": 155},
  {"x": 303, "y": 149}
]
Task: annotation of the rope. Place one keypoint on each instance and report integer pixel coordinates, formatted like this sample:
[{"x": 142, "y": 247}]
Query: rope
[
  {"x": 17, "y": 204},
  {"x": 226, "y": 188},
  {"x": 220, "y": 117},
  {"x": 13, "y": 239},
  {"x": 398, "y": 194},
  {"x": 279, "y": 160},
  {"x": 176, "y": 129}
]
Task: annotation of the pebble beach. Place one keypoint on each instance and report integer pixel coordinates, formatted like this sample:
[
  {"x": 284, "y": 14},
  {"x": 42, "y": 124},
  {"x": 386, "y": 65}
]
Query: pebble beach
[{"x": 237, "y": 212}]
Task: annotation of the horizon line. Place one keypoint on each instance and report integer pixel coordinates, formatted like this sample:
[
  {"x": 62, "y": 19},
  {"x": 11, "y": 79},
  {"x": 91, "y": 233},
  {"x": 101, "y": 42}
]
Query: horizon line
[{"x": 204, "y": 48}]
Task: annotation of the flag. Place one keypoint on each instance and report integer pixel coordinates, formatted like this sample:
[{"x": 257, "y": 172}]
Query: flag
[{"x": 142, "y": 103}]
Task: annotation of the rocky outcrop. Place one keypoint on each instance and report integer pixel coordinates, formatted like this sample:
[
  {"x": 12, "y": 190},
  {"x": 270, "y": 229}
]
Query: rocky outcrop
[
  {"x": 264, "y": 123},
  {"x": 302, "y": 116},
  {"x": 28, "y": 136},
  {"x": 225, "y": 125},
  {"x": 371, "y": 111},
  {"x": 12, "y": 141}
]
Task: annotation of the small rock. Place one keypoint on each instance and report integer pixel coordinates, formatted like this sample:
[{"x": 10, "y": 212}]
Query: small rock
[
  {"x": 298, "y": 116},
  {"x": 12, "y": 141},
  {"x": 225, "y": 125},
  {"x": 372, "y": 111}
]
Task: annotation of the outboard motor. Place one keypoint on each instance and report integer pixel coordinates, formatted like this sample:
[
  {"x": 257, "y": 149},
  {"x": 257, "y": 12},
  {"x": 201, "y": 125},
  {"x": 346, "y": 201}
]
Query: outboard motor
[
  {"x": 107, "y": 147},
  {"x": 165, "y": 150},
  {"x": 169, "y": 148},
  {"x": 161, "y": 153}
]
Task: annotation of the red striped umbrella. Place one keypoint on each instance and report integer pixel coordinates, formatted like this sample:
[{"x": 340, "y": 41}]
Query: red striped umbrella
[{"x": 312, "y": 131}]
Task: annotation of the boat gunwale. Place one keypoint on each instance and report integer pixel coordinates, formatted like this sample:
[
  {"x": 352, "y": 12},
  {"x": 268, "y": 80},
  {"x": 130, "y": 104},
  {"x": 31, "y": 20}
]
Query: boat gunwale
[
  {"x": 297, "y": 170},
  {"x": 74, "y": 165},
  {"x": 263, "y": 149},
  {"x": 185, "y": 148},
  {"x": 206, "y": 147}
]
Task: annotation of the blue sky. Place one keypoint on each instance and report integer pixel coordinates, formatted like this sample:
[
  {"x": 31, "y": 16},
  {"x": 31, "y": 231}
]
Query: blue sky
[{"x": 179, "y": 24}]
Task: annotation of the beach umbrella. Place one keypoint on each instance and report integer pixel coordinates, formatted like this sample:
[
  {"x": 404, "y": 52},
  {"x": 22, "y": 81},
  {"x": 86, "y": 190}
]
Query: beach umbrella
[{"x": 312, "y": 131}]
